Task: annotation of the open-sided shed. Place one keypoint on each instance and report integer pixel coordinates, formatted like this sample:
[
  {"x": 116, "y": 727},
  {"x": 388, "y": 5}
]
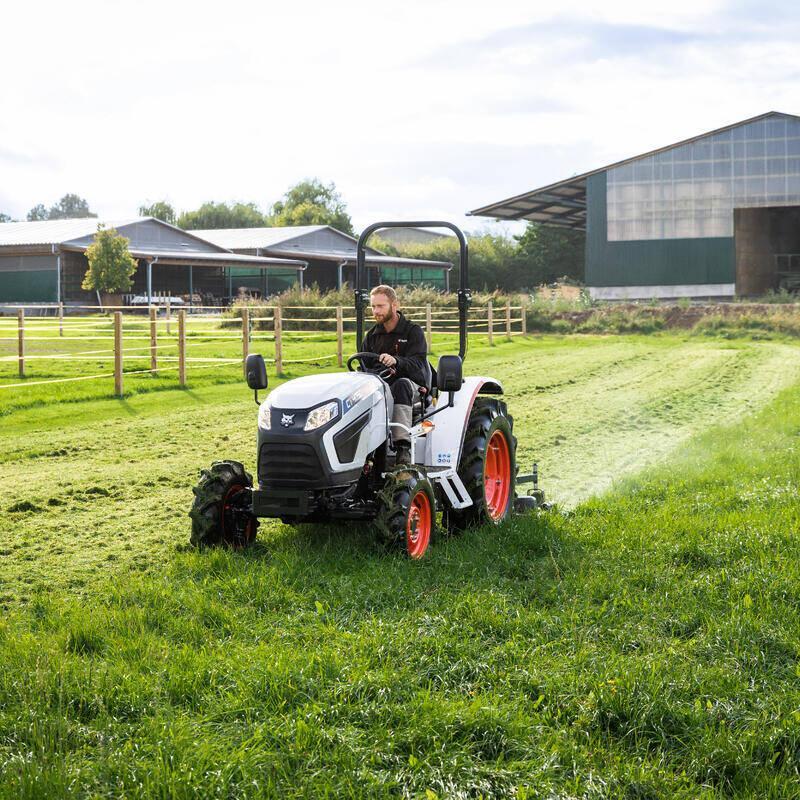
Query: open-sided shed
[
  {"x": 43, "y": 262},
  {"x": 330, "y": 254}
]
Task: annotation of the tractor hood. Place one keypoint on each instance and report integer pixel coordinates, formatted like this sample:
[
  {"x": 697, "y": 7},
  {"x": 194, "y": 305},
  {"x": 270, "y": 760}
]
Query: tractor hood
[{"x": 313, "y": 389}]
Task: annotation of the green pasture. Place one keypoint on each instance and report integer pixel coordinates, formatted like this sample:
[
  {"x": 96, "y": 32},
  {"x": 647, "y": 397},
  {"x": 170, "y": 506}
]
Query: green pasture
[{"x": 642, "y": 641}]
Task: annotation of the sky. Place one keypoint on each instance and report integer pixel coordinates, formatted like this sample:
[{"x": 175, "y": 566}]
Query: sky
[{"x": 413, "y": 109}]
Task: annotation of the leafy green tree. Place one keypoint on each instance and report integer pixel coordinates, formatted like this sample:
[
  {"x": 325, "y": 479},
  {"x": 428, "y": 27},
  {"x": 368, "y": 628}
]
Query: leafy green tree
[
  {"x": 111, "y": 266},
  {"x": 221, "y": 215},
  {"x": 161, "y": 210},
  {"x": 5, "y": 218},
  {"x": 312, "y": 202},
  {"x": 541, "y": 254},
  {"x": 70, "y": 206},
  {"x": 491, "y": 258},
  {"x": 546, "y": 253}
]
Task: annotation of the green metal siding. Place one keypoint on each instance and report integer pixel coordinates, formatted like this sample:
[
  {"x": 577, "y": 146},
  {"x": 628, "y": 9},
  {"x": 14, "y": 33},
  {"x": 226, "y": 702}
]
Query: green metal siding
[
  {"x": 31, "y": 286},
  {"x": 653, "y": 262}
]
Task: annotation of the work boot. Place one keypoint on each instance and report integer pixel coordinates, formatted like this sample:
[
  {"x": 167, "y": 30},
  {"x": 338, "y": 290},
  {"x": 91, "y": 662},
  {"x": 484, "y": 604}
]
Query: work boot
[{"x": 403, "y": 454}]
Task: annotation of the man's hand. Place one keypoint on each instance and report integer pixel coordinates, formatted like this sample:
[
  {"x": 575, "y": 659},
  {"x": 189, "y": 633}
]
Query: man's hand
[{"x": 387, "y": 360}]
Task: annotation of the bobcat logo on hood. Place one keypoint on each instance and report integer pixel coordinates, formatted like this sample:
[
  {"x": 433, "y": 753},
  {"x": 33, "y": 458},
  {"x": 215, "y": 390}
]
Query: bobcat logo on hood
[{"x": 287, "y": 420}]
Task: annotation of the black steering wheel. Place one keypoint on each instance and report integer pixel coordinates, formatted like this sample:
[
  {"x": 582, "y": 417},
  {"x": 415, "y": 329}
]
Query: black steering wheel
[{"x": 369, "y": 362}]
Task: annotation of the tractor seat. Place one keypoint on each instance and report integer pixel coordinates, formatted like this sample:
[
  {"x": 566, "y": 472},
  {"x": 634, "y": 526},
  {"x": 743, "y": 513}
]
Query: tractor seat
[{"x": 425, "y": 395}]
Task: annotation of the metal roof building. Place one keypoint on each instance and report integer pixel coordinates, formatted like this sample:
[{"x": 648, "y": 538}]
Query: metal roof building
[
  {"x": 716, "y": 215},
  {"x": 330, "y": 255},
  {"x": 42, "y": 262}
]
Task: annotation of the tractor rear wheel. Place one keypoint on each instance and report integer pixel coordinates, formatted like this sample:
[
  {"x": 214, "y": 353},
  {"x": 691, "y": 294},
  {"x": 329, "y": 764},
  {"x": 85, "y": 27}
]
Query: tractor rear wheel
[
  {"x": 407, "y": 516},
  {"x": 487, "y": 467},
  {"x": 221, "y": 510}
]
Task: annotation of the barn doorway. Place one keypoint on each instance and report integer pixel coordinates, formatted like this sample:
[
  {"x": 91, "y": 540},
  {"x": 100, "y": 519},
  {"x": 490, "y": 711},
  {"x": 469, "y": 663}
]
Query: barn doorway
[{"x": 767, "y": 249}]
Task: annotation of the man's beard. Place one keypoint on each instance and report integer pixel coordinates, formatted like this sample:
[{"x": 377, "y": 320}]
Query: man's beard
[{"x": 382, "y": 318}]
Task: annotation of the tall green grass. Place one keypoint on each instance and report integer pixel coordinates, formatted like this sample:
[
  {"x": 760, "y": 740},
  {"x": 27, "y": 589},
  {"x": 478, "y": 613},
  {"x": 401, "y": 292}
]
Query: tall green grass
[{"x": 644, "y": 645}]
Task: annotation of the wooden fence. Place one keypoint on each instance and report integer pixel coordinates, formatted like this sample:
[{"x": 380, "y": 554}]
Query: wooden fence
[{"x": 274, "y": 323}]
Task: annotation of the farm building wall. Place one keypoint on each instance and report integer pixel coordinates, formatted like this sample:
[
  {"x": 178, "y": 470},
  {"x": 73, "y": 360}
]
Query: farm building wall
[
  {"x": 29, "y": 279},
  {"x": 73, "y": 271},
  {"x": 651, "y": 262}
]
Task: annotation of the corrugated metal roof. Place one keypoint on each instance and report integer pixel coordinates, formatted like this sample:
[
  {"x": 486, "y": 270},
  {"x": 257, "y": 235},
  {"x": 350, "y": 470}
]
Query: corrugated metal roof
[
  {"x": 349, "y": 258},
  {"x": 55, "y": 231},
  {"x": 190, "y": 256},
  {"x": 286, "y": 242},
  {"x": 239, "y": 238},
  {"x": 227, "y": 258},
  {"x": 563, "y": 204}
]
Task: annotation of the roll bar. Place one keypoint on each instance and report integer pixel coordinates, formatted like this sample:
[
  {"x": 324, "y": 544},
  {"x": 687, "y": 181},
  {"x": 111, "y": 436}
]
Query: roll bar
[{"x": 464, "y": 293}]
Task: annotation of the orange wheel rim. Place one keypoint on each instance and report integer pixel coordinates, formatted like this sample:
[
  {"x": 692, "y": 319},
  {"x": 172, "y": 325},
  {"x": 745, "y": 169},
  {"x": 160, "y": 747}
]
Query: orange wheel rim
[
  {"x": 418, "y": 525},
  {"x": 497, "y": 475}
]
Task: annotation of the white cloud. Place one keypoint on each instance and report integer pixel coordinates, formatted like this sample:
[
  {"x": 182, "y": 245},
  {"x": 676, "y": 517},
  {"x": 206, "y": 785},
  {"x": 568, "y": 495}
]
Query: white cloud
[{"x": 414, "y": 109}]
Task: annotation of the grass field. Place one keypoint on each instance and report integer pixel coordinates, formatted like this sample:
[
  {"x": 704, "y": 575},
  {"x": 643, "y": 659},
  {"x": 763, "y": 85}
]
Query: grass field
[{"x": 641, "y": 642}]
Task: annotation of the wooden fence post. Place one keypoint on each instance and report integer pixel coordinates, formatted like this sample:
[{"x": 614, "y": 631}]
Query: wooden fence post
[
  {"x": 118, "y": 387},
  {"x": 429, "y": 326},
  {"x": 153, "y": 340},
  {"x": 278, "y": 327},
  {"x": 60, "y": 319},
  {"x": 508, "y": 320},
  {"x": 340, "y": 336},
  {"x": 245, "y": 339},
  {"x": 182, "y": 348},
  {"x": 524, "y": 315},
  {"x": 21, "y": 341},
  {"x": 169, "y": 313},
  {"x": 490, "y": 322}
]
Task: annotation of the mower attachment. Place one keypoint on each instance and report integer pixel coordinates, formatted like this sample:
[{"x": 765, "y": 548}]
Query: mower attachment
[{"x": 534, "y": 498}]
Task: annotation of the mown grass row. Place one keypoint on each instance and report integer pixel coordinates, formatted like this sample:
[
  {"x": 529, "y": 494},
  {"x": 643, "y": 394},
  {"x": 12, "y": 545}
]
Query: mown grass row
[{"x": 646, "y": 644}]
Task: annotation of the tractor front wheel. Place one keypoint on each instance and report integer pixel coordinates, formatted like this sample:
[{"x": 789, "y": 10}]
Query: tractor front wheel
[
  {"x": 487, "y": 467},
  {"x": 407, "y": 516},
  {"x": 221, "y": 512}
]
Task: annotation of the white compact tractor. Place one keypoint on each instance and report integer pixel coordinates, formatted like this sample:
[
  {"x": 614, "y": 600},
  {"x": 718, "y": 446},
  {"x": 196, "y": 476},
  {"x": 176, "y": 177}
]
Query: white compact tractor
[{"x": 325, "y": 448}]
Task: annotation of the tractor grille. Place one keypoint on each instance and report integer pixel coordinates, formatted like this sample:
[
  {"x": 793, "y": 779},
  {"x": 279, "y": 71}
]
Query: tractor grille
[{"x": 290, "y": 465}]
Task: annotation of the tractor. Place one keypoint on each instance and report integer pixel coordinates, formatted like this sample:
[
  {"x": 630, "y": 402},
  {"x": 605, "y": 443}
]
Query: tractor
[{"x": 325, "y": 449}]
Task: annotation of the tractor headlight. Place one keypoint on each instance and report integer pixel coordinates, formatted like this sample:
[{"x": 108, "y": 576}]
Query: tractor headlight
[
  {"x": 265, "y": 416},
  {"x": 322, "y": 415}
]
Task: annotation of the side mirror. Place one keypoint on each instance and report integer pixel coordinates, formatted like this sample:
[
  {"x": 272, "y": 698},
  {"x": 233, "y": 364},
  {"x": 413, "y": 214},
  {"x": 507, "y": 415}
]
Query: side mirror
[
  {"x": 448, "y": 374},
  {"x": 256, "y": 371}
]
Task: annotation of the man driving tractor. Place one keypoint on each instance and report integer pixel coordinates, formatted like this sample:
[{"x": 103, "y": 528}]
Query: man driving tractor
[{"x": 401, "y": 347}]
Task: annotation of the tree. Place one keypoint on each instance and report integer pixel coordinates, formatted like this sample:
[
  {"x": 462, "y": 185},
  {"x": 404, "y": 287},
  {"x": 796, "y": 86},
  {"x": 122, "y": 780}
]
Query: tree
[
  {"x": 160, "y": 210},
  {"x": 491, "y": 258},
  {"x": 312, "y": 202},
  {"x": 546, "y": 253},
  {"x": 111, "y": 266},
  {"x": 541, "y": 254},
  {"x": 221, "y": 215},
  {"x": 70, "y": 206},
  {"x": 5, "y": 218}
]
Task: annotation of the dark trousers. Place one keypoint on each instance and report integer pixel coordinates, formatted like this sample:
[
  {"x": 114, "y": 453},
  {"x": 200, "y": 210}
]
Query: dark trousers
[{"x": 404, "y": 391}]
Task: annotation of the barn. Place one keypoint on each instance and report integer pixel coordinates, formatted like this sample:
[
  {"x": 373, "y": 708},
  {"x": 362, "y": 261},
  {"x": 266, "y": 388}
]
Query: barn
[
  {"x": 714, "y": 216},
  {"x": 45, "y": 262},
  {"x": 330, "y": 255}
]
